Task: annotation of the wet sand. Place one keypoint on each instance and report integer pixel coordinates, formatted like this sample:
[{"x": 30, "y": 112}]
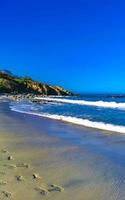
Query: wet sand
[{"x": 48, "y": 159}]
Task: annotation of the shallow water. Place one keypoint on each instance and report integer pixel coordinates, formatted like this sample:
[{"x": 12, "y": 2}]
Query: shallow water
[{"x": 88, "y": 164}]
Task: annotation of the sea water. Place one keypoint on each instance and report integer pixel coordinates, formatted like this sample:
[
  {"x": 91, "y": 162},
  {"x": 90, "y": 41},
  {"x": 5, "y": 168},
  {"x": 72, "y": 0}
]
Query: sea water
[{"x": 95, "y": 111}]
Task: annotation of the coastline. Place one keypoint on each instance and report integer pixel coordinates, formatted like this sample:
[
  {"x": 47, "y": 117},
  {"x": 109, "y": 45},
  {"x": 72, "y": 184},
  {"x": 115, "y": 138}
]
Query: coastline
[{"x": 82, "y": 161}]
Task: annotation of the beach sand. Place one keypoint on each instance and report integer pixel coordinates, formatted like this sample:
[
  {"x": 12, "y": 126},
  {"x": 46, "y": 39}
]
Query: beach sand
[{"x": 47, "y": 159}]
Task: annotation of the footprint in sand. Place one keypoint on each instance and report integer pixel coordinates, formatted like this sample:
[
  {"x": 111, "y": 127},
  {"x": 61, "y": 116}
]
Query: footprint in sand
[
  {"x": 4, "y": 151},
  {"x": 25, "y": 165},
  {"x": 7, "y": 194},
  {"x": 14, "y": 166},
  {"x": 3, "y": 182},
  {"x": 36, "y": 176},
  {"x": 42, "y": 191},
  {"x": 10, "y": 158},
  {"x": 54, "y": 187},
  {"x": 10, "y": 166},
  {"x": 20, "y": 178}
]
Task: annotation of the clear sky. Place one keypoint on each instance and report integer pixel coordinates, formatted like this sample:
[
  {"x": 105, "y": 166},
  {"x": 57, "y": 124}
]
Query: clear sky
[{"x": 78, "y": 44}]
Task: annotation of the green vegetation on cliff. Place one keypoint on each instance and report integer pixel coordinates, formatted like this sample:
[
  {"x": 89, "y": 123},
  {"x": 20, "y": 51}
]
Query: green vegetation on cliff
[{"x": 10, "y": 83}]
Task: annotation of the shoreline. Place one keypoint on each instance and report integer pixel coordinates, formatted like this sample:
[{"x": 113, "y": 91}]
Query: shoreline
[{"x": 76, "y": 159}]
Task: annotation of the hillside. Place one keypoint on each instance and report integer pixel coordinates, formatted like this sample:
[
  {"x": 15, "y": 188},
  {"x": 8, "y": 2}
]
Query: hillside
[{"x": 12, "y": 84}]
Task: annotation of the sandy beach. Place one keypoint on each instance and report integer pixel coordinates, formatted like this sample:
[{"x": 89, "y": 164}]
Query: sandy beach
[{"x": 47, "y": 159}]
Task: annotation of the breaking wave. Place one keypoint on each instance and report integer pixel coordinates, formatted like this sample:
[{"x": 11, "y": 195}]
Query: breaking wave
[
  {"x": 75, "y": 120},
  {"x": 83, "y": 102}
]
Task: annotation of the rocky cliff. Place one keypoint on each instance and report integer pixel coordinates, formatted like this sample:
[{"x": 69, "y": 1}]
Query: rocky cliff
[{"x": 12, "y": 84}]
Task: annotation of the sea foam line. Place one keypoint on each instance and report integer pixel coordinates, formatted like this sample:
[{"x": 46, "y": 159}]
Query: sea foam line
[
  {"x": 78, "y": 121},
  {"x": 83, "y": 102}
]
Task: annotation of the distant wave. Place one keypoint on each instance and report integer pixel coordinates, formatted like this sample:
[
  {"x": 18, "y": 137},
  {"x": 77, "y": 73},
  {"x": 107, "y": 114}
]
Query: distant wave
[
  {"x": 78, "y": 121},
  {"x": 88, "y": 103}
]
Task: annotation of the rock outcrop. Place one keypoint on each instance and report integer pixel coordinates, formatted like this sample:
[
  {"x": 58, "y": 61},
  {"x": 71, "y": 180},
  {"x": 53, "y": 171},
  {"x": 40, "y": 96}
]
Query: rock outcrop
[{"x": 12, "y": 84}]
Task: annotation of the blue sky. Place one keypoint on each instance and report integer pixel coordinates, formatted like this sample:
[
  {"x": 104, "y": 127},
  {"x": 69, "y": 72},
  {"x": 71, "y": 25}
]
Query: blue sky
[{"x": 78, "y": 44}]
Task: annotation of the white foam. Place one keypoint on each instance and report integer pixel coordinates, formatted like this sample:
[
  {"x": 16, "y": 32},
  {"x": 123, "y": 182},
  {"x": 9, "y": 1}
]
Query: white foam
[
  {"x": 78, "y": 121},
  {"x": 83, "y": 102}
]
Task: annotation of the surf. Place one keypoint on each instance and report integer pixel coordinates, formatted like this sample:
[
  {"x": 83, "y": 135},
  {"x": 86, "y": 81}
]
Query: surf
[
  {"x": 84, "y": 102},
  {"x": 77, "y": 121}
]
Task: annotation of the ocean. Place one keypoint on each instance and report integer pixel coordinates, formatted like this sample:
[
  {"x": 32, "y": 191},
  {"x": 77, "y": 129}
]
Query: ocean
[{"x": 95, "y": 111}]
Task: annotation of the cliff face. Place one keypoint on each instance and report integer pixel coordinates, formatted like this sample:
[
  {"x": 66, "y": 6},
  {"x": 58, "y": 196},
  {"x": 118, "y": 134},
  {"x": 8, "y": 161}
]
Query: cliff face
[{"x": 15, "y": 85}]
